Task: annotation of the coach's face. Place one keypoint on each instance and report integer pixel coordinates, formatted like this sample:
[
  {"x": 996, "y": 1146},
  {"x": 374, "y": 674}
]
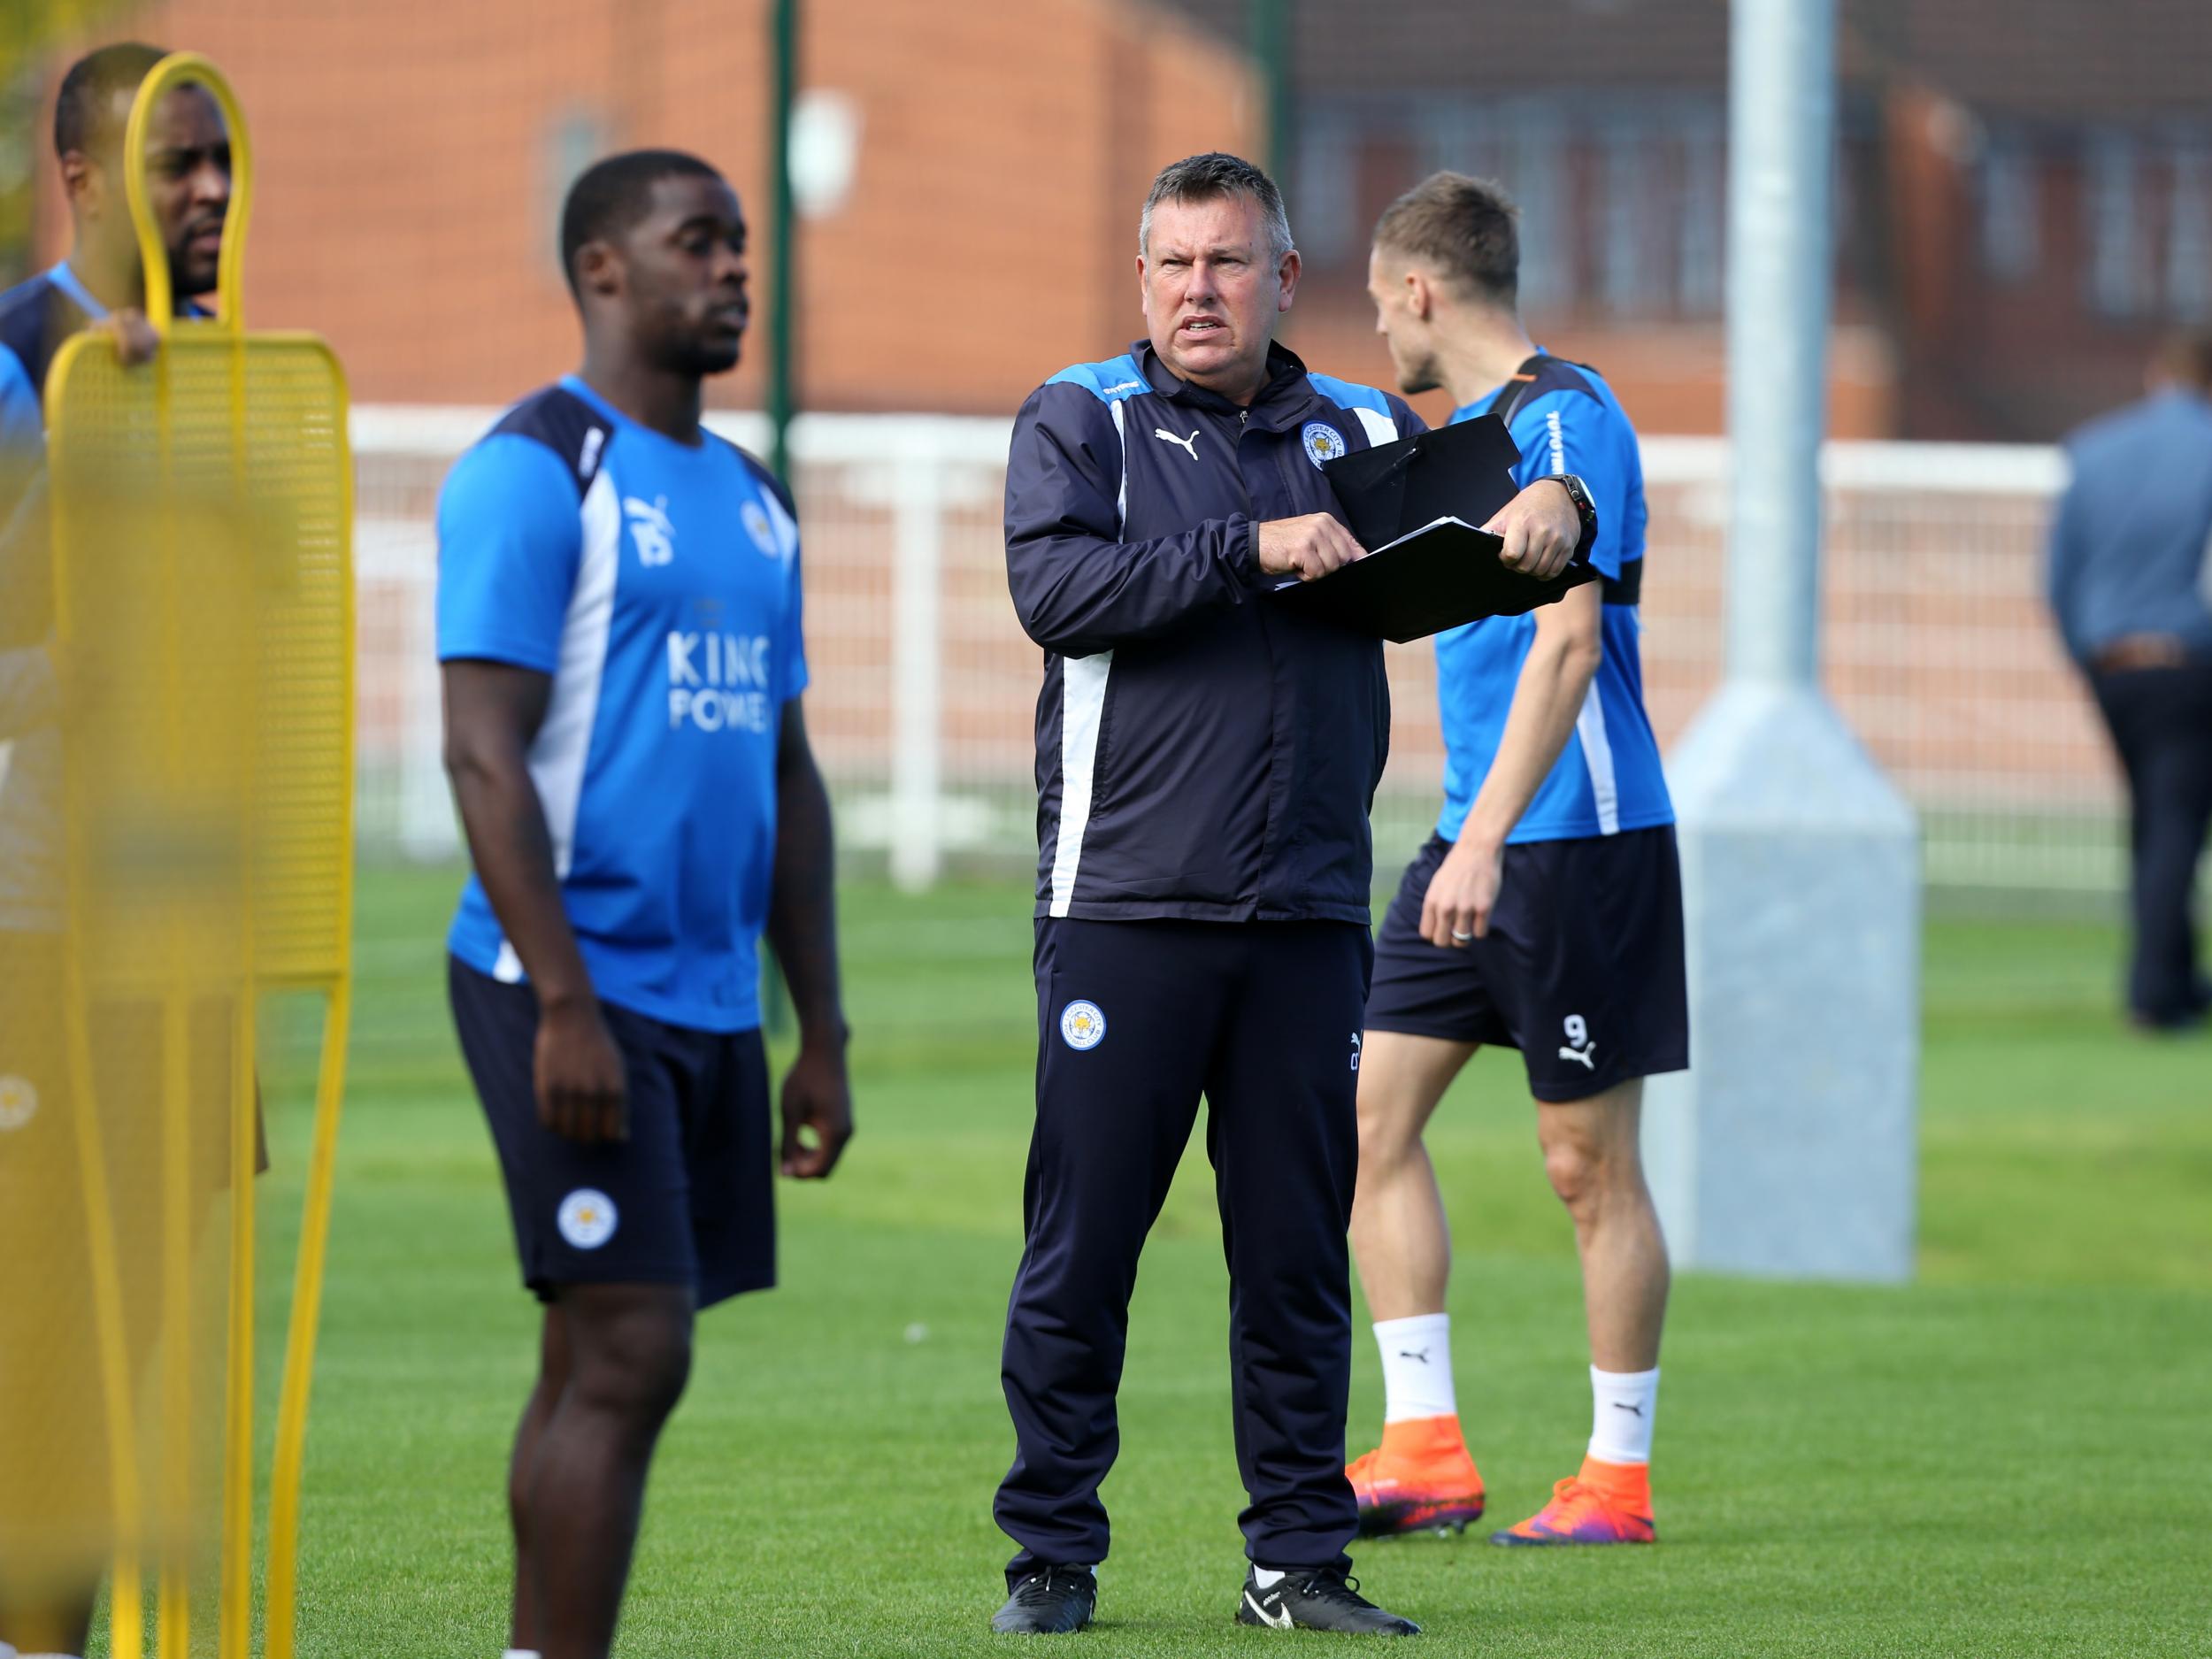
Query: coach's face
[
  {"x": 1212, "y": 291},
  {"x": 1404, "y": 295},
  {"x": 684, "y": 276}
]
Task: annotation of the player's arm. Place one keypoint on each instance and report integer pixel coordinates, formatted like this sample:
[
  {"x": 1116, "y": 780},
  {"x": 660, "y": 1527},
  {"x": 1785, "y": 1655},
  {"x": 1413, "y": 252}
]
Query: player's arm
[
  {"x": 29, "y": 691},
  {"x": 1568, "y": 432},
  {"x": 30, "y": 680},
  {"x": 508, "y": 545},
  {"x": 1078, "y": 587},
  {"x": 1547, "y": 700},
  {"x": 29, "y": 687},
  {"x": 492, "y": 711},
  {"x": 31, "y": 677},
  {"x": 818, "y": 1103}
]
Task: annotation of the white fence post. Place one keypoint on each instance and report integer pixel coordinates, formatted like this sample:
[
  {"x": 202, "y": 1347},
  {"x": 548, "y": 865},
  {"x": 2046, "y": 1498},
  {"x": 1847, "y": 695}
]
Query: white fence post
[
  {"x": 427, "y": 831},
  {"x": 917, "y": 734}
]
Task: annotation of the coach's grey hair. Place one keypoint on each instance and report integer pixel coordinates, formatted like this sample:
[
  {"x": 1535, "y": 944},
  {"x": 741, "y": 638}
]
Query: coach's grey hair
[{"x": 1207, "y": 177}]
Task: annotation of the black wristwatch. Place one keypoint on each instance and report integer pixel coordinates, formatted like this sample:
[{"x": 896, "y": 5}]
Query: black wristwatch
[{"x": 1586, "y": 509}]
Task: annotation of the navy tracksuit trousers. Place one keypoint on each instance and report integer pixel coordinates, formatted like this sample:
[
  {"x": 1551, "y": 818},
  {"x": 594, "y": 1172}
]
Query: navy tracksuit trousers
[{"x": 1135, "y": 1020}]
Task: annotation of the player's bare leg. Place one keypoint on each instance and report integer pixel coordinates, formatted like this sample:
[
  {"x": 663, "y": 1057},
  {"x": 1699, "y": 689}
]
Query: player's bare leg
[
  {"x": 1592, "y": 1155},
  {"x": 1398, "y": 1225},
  {"x": 1421, "y": 1477},
  {"x": 553, "y": 1368},
  {"x": 628, "y": 1350}
]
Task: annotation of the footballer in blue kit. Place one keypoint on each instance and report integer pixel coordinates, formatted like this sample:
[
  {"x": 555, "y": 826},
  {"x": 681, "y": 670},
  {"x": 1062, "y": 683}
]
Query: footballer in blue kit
[
  {"x": 619, "y": 627},
  {"x": 52, "y": 1582},
  {"x": 1544, "y": 915}
]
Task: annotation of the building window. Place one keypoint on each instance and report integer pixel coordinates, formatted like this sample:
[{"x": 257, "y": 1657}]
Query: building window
[
  {"x": 1629, "y": 280},
  {"x": 1704, "y": 237},
  {"x": 2011, "y": 233},
  {"x": 2111, "y": 221},
  {"x": 1322, "y": 217},
  {"x": 1530, "y": 168},
  {"x": 2189, "y": 237}
]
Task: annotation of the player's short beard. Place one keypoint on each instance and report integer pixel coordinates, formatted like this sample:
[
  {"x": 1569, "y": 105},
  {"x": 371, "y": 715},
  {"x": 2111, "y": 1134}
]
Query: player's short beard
[
  {"x": 184, "y": 285},
  {"x": 691, "y": 355},
  {"x": 1421, "y": 376}
]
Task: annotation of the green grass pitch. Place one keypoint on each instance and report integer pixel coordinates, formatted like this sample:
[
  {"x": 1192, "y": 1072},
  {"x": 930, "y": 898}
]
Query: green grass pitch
[{"x": 2012, "y": 1456}]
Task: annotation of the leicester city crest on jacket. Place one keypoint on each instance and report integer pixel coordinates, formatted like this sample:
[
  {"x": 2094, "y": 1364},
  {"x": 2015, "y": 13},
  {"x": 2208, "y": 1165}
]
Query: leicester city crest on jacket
[{"x": 1324, "y": 442}]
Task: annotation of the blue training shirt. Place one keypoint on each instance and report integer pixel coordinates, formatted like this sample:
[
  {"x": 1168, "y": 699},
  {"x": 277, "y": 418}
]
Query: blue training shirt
[
  {"x": 1608, "y": 779},
  {"x": 658, "y": 585}
]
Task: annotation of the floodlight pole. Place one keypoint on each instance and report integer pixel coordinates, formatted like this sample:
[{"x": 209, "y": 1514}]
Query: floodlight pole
[
  {"x": 1790, "y": 1148},
  {"x": 783, "y": 307},
  {"x": 783, "y": 57},
  {"x": 1268, "y": 25}
]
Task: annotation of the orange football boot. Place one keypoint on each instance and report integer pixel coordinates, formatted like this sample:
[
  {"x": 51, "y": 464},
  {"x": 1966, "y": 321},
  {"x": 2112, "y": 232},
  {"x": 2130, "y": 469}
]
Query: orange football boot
[
  {"x": 1420, "y": 1479},
  {"x": 1607, "y": 1503}
]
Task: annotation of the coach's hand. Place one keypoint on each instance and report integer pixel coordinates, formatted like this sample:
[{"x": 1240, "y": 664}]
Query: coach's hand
[
  {"x": 818, "y": 1100},
  {"x": 1308, "y": 548},
  {"x": 582, "y": 1093},
  {"x": 1541, "y": 529},
  {"x": 1455, "y": 911}
]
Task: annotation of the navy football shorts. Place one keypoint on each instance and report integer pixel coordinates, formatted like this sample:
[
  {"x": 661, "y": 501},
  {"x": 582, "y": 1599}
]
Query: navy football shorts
[
  {"x": 689, "y": 1199},
  {"x": 1581, "y": 968}
]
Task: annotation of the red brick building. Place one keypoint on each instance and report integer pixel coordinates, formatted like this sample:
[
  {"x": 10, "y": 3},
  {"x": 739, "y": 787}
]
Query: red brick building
[
  {"x": 413, "y": 153},
  {"x": 2025, "y": 200}
]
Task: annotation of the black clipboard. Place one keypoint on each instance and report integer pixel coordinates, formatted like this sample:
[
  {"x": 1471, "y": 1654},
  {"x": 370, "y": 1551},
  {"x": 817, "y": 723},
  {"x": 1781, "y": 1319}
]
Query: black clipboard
[
  {"x": 1442, "y": 576},
  {"x": 1415, "y": 505}
]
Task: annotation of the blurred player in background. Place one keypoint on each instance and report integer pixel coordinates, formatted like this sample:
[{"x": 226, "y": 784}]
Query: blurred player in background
[
  {"x": 99, "y": 285},
  {"x": 2131, "y": 585},
  {"x": 619, "y": 618},
  {"x": 1544, "y": 915}
]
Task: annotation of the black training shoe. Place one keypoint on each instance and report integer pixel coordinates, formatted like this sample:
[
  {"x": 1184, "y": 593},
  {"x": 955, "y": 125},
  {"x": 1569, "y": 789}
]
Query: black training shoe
[
  {"x": 1051, "y": 1601},
  {"x": 1319, "y": 1598}
]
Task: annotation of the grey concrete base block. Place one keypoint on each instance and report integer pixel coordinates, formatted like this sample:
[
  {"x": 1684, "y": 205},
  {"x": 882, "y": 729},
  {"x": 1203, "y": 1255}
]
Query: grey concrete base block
[{"x": 1790, "y": 1148}]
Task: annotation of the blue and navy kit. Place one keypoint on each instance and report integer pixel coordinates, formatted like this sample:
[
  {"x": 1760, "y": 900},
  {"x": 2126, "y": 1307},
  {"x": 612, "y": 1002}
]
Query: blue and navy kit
[
  {"x": 1206, "y": 759},
  {"x": 1608, "y": 779},
  {"x": 1202, "y": 753},
  {"x": 658, "y": 585},
  {"x": 36, "y": 317}
]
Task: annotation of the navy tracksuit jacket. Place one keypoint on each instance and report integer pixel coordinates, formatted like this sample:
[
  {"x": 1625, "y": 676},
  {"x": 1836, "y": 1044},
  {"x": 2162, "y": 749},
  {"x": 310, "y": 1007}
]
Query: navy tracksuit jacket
[{"x": 1206, "y": 759}]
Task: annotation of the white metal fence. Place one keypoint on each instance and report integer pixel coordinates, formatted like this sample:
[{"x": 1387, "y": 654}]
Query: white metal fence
[{"x": 1935, "y": 644}]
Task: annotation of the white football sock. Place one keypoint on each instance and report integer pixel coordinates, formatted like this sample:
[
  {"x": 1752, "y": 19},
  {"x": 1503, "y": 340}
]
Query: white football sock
[
  {"x": 1416, "y": 1361},
  {"x": 520, "y": 1653},
  {"x": 1623, "y": 1404},
  {"x": 7, "y": 1651},
  {"x": 1266, "y": 1577}
]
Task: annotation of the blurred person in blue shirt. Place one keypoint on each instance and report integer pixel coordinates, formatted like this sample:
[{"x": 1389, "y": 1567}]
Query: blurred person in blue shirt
[
  {"x": 46, "y": 1601},
  {"x": 2131, "y": 585}
]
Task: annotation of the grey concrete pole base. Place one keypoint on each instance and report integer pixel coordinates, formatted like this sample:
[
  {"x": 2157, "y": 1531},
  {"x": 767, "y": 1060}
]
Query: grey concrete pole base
[{"x": 1789, "y": 1149}]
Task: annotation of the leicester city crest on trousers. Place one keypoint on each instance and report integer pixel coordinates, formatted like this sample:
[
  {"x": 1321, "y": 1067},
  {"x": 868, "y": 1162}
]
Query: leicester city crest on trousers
[
  {"x": 1082, "y": 1025},
  {"x": 1324, "y": 442}
]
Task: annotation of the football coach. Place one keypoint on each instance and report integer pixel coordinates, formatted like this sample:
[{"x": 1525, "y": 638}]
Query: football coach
[{"x": 1206, "y": 759}]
